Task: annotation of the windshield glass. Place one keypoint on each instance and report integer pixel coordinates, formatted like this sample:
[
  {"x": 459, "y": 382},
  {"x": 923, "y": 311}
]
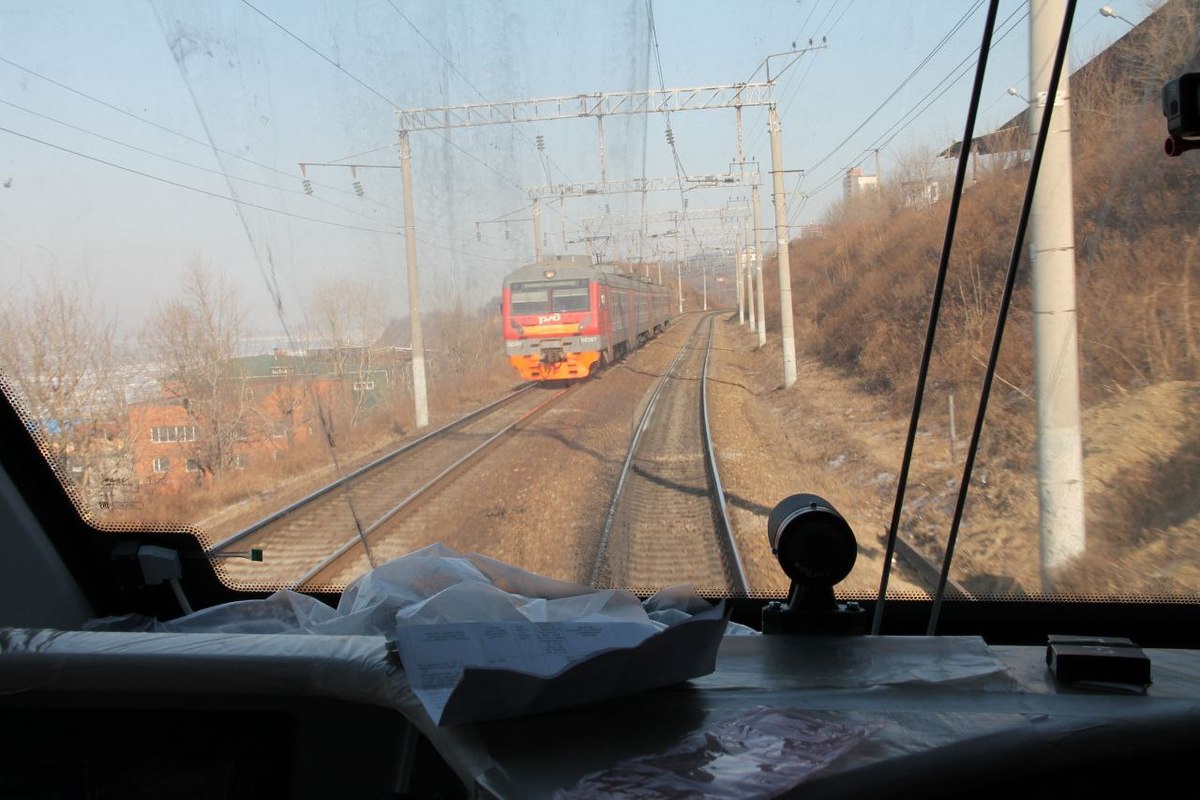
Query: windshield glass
[{"x": 215, "y": 306}]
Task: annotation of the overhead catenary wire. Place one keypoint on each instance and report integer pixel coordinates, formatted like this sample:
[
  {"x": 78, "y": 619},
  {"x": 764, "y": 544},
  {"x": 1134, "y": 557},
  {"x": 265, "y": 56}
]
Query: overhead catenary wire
[
  {"x": 236, "y": 200},
  {"x": 191, "y": 188},
  {"x": 904, "y": 82},
  {"x": 454, "y": 67},
  {"x": 174, "y": 160},
  {"x": 166, "y": 129},
  {"x": 948, "y": 81},
  {"x": 507, "y": 179}
]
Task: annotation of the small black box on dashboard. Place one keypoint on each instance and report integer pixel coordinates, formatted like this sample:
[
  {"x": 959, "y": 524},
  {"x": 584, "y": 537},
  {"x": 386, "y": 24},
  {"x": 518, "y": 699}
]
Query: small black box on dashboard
[{"x": 1097, "y": 659}]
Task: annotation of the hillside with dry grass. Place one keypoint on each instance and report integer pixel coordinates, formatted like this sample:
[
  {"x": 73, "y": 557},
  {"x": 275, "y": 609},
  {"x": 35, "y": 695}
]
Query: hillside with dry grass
[{"x": 861, "y": 306}]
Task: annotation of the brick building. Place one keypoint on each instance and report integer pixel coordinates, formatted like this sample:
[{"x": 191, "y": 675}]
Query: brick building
[{"x": 244, "y": 413}]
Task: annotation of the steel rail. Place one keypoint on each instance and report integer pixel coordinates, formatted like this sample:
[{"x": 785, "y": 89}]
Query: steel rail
[
  {"x": 926, "y": 570},
  {"x": 644, "y": 423},
  {"x": 378, "y": 462},
  {"x": 735, "y": 571},
  {"x": 407, "y": 504}
]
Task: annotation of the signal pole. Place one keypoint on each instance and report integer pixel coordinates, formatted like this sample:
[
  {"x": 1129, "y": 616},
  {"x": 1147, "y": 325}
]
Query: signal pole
[
  {"x": 420, "y": 400},
  {"x": 1055, "y": 338}
]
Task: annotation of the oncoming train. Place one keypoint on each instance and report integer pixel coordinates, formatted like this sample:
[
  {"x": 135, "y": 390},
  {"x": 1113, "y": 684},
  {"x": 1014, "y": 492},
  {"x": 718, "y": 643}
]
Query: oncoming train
[{"x": 565, "y": 317}]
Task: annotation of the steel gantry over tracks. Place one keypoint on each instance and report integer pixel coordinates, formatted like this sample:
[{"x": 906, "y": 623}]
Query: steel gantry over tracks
[{"x": 602, "y": 104}]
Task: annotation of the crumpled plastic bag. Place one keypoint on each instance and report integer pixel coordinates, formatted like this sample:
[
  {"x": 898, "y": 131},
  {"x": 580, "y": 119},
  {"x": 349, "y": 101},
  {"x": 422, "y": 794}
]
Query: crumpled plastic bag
[
  {"x": 435, "y": 584},
  {"x": 756, "y": 755}
]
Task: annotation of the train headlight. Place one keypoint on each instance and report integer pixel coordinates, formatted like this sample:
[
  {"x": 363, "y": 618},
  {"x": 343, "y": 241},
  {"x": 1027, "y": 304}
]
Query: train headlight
[
  {"x": 586, "y": 321},
  {"x": 516, "y": 326}
]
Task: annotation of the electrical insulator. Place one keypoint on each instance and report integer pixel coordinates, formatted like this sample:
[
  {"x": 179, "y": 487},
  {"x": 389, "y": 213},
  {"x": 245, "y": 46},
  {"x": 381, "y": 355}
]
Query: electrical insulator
[
  {"x": 307, "y": 184},
  {"x": 478, "y": 235},
  {"x": 670, "y": 137},
  {"x": 358, "y": 189},
  {"x": 507, "y": 232},
  {"x": 541, "y": 142}
]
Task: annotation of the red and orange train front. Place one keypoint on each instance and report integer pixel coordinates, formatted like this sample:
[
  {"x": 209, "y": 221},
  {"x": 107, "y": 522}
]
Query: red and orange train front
[{"x": 552, "y": 324}]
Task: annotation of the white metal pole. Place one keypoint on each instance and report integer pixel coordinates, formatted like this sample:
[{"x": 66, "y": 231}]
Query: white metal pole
[
  {"x": 781, "y": 242},
  {"x": 1056, "y": 349},
  {"x": 420, "y": 400}
]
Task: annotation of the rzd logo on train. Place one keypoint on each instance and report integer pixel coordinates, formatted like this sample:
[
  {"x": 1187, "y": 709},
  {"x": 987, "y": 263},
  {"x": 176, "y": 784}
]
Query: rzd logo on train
[{"x": 549, "y": 318}]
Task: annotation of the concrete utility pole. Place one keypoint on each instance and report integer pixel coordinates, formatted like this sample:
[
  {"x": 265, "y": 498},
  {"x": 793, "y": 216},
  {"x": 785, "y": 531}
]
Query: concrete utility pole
[
  {"x": 638, "y": 102},
  {"x": 421, "y": 408},
  {"x": 758, "y": 276},
  {"x": 420, "y": 399},
  {"x": 781, "y": 255},
  {"x": 1055, "y": 339},
  {"x": 748, "y": 272},
  {"x": 679, "y": 265}
]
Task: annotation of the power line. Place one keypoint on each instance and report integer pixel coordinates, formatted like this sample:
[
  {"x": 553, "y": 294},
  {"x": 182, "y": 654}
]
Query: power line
[
  {"x": 379, "y": 94},
  {"x": 924, "y": 61},
  {"x": 964, "y": 68},
  {"x": 459, "y": 73},
  {"x": 219, "y": 196},
  {"x": 917, "y": 109},
  {"x": 196, "y": 189},
  {"x": 680, "y": 172},
  {"x": 175, "y": 160},
  {"x": 173, "y": 132}
]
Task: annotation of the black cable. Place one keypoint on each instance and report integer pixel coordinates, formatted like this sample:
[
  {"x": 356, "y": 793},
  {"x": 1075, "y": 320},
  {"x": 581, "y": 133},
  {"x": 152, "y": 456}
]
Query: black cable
[
  {"x": 161, "y": 127},
  {"x": 466, "y": 79},
  {"x": 1010, "y": 280},
  {"x": 381, "y": 96},
  {"x": 934, "y": 311},
  {"x": 928, "y": 57},
  {"x": 915, "y": 111},
  {"x": 174, "y": 160},
  {"x": 195, "y": 188}
]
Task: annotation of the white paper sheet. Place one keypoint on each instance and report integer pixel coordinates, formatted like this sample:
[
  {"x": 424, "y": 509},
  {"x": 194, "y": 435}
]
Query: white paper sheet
[{"x": 435, "y": 656}]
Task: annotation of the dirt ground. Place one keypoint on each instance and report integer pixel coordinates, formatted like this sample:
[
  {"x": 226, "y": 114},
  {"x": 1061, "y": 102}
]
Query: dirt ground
[
  {"x": 828, "y": 436},
  {"x": 540, "y": 500}
]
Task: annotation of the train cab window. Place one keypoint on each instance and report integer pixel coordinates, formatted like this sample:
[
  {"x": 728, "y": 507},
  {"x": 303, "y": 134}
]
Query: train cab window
[
  {"x": 571, "y": 299},
  {"x": 201, "y": 268},
  {"x": 530, "y": 301}
]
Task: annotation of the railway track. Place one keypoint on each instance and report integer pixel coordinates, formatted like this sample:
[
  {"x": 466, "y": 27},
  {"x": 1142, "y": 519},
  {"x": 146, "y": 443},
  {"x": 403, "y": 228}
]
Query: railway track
[
  {"x": 319, "y": 538},
  {"x": 667, "y": 522}
]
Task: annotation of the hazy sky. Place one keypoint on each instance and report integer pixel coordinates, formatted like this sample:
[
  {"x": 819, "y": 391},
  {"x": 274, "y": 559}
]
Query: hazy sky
[{"x": 240, "y": 101}]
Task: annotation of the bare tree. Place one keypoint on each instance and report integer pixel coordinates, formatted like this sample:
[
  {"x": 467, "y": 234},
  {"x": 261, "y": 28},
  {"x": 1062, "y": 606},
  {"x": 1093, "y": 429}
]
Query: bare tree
[
  {"x": 914, "y": 181},
  {"x": 349, "y": 315},
  {"x": 57, "y": 353},
  {"x": 194, "y": 338},
  {"x": 465, "y": 338}
]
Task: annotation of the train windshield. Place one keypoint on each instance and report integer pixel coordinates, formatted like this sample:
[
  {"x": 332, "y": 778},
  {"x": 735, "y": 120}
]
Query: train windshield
[
  {"x": 545, "y": 297},
  {"x": 216, "y": 313}
]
